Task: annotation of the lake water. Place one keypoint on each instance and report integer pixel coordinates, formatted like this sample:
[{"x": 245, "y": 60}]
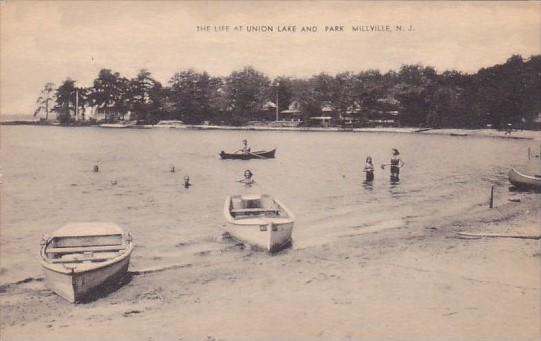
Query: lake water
[{"x": 48, "y": 180}]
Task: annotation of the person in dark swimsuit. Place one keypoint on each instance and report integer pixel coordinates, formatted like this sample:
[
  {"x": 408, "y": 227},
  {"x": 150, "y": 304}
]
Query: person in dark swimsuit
[
  {"x": 369, "y": 169},
  {"x": 396, "y": 164}
]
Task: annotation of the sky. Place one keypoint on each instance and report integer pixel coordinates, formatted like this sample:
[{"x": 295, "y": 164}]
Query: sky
[{"x": 49, "y": 41}]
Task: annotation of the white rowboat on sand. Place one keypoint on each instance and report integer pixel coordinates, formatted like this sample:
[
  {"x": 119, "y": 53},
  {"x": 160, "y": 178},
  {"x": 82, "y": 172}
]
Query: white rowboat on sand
[
  {"x": 80, "y": 257},
  {"x": 259, "y": 220},
  {"x": 522, "y": 180}
]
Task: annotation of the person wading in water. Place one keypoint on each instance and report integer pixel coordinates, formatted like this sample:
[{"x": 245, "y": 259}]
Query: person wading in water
[
  {"x": 369, "y": 169},
  {"x": 396, "y": 164}
]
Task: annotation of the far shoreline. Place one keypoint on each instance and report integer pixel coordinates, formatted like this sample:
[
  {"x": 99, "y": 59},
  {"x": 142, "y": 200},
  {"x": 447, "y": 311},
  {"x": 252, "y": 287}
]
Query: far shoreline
[{"x": 460, "y": 132}]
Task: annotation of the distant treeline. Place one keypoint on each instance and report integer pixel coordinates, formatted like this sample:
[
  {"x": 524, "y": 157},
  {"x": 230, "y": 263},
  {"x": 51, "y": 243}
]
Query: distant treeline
[{"x": 416, "y": 94}]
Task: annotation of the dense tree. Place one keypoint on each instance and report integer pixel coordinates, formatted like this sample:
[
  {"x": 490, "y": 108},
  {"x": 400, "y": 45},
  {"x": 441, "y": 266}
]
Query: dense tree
[
  {"x": 145, "y": 98},
  {"x": 348, "y": 85},
  {"x": 191, "y": 94},
  {"x": 65, "y": 101},
  {"x": 282, "y": 92},
  {"x": 498, "y": 95},
  {"x": 109, "y": 94},
  {"x": 245, "y": 93},
  {"x": 415, "y": 88}
]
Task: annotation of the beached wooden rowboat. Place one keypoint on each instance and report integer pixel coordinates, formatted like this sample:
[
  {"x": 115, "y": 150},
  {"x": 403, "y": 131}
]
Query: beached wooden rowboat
[
  {"x": 79, "y": 258},
  {"x": 524, "y": 181},
  {"x": 247, "y": 156},
  {"x": 259, "y": 220}
]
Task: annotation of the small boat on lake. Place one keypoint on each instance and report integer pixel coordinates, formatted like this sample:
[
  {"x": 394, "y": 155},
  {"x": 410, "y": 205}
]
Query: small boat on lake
[
  {"x": 170, "y": 124},
  {"x": 79, "y": 258},
  {"x": 123, "y": 124},
  {"x": 259, "y": 220},
  {"x": 250, "y": 155},
  {"x": 524, "y": 181}
]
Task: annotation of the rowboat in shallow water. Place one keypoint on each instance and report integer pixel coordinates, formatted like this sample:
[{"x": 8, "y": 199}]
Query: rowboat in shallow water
[
  {"x": 261, "y": 154},
  {"x": 524, "y": 181},
  {"x": 259, "y": 220},
  {"x": 79, "y": 258}
]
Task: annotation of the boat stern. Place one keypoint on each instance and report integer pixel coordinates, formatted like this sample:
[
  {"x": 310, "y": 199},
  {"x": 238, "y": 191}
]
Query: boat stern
[{"x": 279, "y": 235}]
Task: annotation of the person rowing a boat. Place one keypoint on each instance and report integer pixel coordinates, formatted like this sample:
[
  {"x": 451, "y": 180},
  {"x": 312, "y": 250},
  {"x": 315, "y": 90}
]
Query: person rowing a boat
[
  {"x": 369, "y": 169},
  {"x": 248, "y": 180},
  {"x": 396, "y": 164},
  {"x": 245, "y": 148}
]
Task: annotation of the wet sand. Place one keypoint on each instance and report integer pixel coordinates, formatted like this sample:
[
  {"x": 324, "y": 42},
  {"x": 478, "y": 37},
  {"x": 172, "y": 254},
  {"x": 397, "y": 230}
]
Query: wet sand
[{"x": 424, "y": 282}]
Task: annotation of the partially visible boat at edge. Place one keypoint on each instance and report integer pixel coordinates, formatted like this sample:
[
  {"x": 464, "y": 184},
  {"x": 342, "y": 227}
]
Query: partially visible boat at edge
[
  {"x": 79, "y": 258},
  {"x": 259, "y": 220},
  {"x": 524, "y": 181},
  {"x": 261, "y": 154}
]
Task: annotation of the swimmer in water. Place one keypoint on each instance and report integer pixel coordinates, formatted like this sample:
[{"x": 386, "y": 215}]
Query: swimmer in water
[
  {"x": 247, "y": 179},
  {"x": 187, "y": 182}
]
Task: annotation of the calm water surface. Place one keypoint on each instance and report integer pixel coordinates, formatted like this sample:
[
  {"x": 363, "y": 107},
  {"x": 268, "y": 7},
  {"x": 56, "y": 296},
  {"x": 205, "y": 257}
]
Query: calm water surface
[{"x": 48, "y": 181}]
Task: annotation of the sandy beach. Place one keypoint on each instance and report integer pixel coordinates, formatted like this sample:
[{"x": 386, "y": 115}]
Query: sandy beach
[{"x": 425, "y": 282}]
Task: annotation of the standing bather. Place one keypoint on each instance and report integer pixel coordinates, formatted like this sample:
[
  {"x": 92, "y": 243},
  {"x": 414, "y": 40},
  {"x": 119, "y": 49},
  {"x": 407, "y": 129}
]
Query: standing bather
[
  {"x": 369, "y": 169},
  {"x": 396, "y": 164}
]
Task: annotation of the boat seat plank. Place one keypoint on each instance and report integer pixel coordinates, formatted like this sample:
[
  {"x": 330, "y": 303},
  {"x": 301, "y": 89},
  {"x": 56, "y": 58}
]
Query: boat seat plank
[
  {"x": 85, "y": 249},
  {"x": 254, "y": 210},
  {"x": 81, "y": 260}
]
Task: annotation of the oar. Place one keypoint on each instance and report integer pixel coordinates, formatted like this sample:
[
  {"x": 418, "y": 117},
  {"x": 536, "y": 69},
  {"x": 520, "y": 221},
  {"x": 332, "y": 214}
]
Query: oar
[
  {"x": 388, "y": 164},
  {"x": 257, "y": 155}
]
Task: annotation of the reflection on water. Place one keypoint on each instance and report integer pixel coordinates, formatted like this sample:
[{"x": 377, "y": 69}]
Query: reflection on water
[
  {"x": 49, "y": 179},
  {"x": 368, "y": 185}
]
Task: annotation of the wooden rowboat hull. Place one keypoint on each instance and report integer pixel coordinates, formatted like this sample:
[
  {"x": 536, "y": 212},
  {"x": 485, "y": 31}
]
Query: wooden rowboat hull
[
  {"x": 254, "y": 155},
  {"x": 75, "y": 286},
  {"x": 270, "y": 237},
  {"x": 268, "y": 227},
  {"x": 80, "y": 258},
  {"x": 524, "y": 181}
]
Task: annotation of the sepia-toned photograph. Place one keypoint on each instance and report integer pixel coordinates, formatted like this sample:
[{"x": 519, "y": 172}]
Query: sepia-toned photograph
[{"x": 270, "y": 170}]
